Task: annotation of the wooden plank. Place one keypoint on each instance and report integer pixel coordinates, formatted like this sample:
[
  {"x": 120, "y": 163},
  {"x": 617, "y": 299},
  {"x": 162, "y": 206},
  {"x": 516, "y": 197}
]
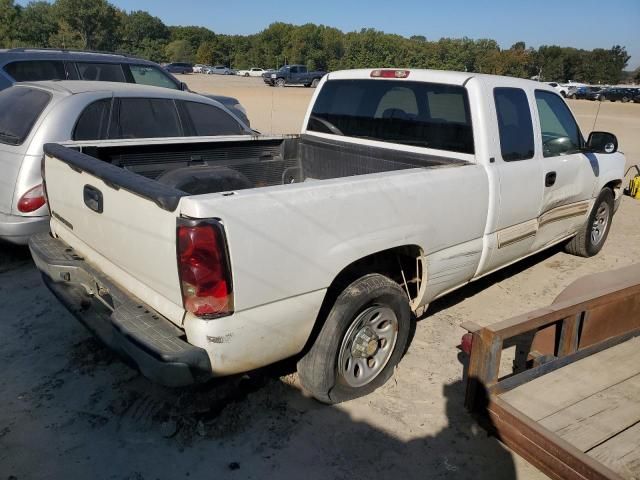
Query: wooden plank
[
  {"x": 599, "y": 417},
  {"x": 546, "y": 451},
  {"x": 622, "y": 453},
  {"x": 555, "y": 391}
]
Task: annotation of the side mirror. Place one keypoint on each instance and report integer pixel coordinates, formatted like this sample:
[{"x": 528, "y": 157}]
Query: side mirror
[
  {"x": 602, "y": 142},
  {"x": 183, "y": 87}
]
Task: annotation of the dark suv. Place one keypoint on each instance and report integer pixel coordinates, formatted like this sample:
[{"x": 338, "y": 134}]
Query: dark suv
[
  {"x": 32, "y": 64},
  {"x": 181, "y": 68},
  {"x": 617, "y": 94}
]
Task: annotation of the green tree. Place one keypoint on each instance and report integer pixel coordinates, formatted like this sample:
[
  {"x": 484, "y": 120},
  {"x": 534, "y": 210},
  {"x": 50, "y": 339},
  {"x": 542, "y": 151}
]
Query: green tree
[
  {"x": 142, "y": 34},
  {"x": 37, "y": 23},
  {"x": 206, "y": 53},
  {"x": 8, "y": 18},
  {"x": 179, "y": 51},
  {"x": 92, "y": 24}
]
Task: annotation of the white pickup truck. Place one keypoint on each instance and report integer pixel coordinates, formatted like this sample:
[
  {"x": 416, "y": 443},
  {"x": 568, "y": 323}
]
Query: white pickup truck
[{"x": 205, "y": 257}]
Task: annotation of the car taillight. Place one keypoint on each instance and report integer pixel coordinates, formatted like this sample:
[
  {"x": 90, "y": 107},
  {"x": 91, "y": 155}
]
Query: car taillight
[
  {"x": 390, "y": 73},
  {"x": 32, "y": 200},
  {"x": 204, "y": 272}
]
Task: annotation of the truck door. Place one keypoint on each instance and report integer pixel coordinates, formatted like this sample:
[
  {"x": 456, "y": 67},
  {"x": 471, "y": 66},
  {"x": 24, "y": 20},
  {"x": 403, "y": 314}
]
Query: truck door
[
  {"x": 516, "y": 174},
  {"x": 569, "y": 174},
  {"x": 294, "y": 75}
]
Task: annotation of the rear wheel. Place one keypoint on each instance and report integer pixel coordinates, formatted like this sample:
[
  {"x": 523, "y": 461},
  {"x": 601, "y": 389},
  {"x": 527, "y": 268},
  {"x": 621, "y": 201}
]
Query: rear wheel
[
  {"x": 315, "y": 82},
  {"x": 363, "y": 338},
  {"x": 625, "y": 99},
  {"x": 590, "y": 239},
  {"x": 246, "y": 74},
  {"x": 572, "y": 96}
]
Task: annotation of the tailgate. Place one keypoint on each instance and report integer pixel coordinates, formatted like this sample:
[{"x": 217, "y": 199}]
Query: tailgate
[{"x": 122, "y": 223}]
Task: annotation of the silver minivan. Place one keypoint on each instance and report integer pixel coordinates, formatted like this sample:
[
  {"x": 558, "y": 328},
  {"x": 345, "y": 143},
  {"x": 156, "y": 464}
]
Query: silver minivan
[{"x": 32, "y": 114}]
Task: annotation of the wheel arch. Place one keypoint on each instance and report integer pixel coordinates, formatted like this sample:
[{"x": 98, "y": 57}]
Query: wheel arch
[{"x": 403, "y": 264}]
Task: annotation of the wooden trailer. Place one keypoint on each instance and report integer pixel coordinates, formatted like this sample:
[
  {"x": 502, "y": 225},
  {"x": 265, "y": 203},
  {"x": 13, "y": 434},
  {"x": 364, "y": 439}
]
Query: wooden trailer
[{"x": 571, "y": 405}]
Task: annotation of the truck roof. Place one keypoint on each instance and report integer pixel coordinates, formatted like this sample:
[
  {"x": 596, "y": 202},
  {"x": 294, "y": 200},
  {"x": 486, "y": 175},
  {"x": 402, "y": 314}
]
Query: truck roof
[{"x": 437, "y": 76}]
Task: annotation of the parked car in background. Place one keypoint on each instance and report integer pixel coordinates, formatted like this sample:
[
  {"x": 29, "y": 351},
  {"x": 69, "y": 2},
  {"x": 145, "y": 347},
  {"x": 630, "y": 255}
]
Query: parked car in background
[
  {"x": 293, "y": 75},
  {"x": 616, "y": 94},
  {"x": 636, "y": 97},
  {"x": 197, "y": 68},
  {"x": 218, "y": 70},
  {"x": 252, "y": 72},
  {"x": 586, "y": 93},
  {"x": 180, "y": 68},
  {"x": 32, "y": 114},
  {"x": 30, "y": 65},
  {"x": 561, "y": 89}
]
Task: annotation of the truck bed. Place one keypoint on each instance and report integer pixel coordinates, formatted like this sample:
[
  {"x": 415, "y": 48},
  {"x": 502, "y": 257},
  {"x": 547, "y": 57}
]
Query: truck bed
[{"x": 213, "y": 165}]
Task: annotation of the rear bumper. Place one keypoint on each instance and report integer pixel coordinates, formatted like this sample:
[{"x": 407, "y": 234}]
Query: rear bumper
[
  {"x": 149, "y": 341},
  {"x": 17, "y": 229}
]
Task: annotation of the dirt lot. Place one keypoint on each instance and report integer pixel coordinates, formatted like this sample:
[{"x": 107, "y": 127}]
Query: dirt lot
[{"x": 73, "y": 410}]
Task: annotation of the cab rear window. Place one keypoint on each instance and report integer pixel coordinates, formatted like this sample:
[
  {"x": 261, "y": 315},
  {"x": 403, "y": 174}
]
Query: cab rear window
[
  {"x": 410, "y": 113},
  {"x": 20, "y": 108}
]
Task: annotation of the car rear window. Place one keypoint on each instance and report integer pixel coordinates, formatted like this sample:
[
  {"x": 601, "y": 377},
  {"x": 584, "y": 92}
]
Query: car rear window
[
  {"x": 35, "y": 70},
  {"x": 19, "y": 110},
  {"x": 409, "y": 113}
]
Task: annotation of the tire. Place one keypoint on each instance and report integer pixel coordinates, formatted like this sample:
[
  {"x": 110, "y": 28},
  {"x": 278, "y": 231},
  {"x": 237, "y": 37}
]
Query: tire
[
  {"x": 587, "y": 242},
  {"x": 602, "y": 98},
  {"x": 572, "y": 96},
  {"x": 564, "y": 95},
  {"x": 373, "y": 308},
  {"x": 625, "y": 99},
  {"x": 246, "y": 74},
  {"x": 280, "y": 82},
  {"x": 315, "y": 82}
]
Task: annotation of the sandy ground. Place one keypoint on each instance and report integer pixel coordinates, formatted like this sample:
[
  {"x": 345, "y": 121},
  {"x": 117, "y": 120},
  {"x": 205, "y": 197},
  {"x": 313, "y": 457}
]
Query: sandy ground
[{"x": 70, "y": 409}]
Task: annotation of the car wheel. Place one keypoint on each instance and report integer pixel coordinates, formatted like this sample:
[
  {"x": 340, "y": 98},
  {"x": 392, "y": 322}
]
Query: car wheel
[
  {"x": 315, "y": 82},
  {"x": 362, "y": 340},
  {"x": 602, "y": 98},
  {"x": 246, "y": 74},
  {"x": 592, "y": 235},
  {"x": 625, "y": 99},
  {"x": 573, "y": 96},
  {"x": 280, "y": 82}
]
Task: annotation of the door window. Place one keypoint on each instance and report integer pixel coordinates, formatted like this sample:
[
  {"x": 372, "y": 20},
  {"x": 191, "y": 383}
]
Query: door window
[
  {"x": 560, "y": 132},
  {"x": 102, "y": 72},
  {"x": 209, "y": 120},
  {"x": 92, "y": 123},
  {"x": 146, "y": 75},
  {"x": 146, "y": 118},
  {"x": 514, "y": 124},
  {"x": 35, "y": 70}
]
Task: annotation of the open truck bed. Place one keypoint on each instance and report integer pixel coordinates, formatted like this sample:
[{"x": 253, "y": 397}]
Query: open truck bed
[{"x": 572, "y": 405}]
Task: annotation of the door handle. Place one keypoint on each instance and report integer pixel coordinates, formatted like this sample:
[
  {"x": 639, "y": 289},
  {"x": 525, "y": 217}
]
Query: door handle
[
  {"x": 93, "y": 198},
  {"x": 550, "y": 179}
]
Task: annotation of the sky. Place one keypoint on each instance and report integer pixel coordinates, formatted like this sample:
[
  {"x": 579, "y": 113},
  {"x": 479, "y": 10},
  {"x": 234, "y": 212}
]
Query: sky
[{"x": 584, "y": 24}]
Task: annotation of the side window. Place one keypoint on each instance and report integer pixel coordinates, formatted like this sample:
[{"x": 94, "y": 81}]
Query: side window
[
  {"x": 102, "y": 72},
  {"x": 146, "y": 75},
  {"x": 209, "y": 120},
  {"x": 93, "y": 121},
  {"x": 32, "y": 71},
  {"x": 560, "y": 132},
  {"x": 294, "y": 70},
  {"x": 146, "y": 118},
  {"x": 514, "y": 124}
]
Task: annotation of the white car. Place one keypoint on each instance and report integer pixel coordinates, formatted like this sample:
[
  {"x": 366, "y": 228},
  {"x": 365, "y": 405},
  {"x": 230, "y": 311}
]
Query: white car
[
  {"x": 197, "y": 68},
  {"x": 32, "y": 114},
  {"x": 561, "y": 89},
  {"x": 242, "y": 251},
  {"x": 252, "y": 72}
]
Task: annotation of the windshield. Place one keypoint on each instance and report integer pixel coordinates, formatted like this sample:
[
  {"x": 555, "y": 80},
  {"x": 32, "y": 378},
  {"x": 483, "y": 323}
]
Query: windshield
[
  {"x": 19, "y": 109},
  {"x": 409, "y": 113}
]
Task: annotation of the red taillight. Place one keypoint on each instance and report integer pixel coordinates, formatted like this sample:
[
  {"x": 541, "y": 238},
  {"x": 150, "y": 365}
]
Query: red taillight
[
  {"x": 204, "y": 271},
  {"x": 32, "y": 200},
  {"x": 466, "y": 343},
  {"x": 390, "y": 73}
]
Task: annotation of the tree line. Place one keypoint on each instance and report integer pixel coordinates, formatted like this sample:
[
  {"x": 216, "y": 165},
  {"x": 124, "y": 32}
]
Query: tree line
[{"x": 99, "y": 25}]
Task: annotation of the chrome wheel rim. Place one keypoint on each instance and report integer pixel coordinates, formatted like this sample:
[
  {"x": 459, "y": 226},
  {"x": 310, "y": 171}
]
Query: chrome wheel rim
[
  {"x": 367, "y": 346},
  {"x": 600, "y": 223}
]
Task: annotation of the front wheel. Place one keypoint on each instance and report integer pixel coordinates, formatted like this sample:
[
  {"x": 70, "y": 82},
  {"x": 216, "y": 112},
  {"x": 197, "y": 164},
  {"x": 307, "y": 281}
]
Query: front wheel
[
  {"x": 592, "y": 235},
  {"x": 363, "y": 338},
  {"x": 246, "y": 74},
  {"x": 280, "y": 82}
]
